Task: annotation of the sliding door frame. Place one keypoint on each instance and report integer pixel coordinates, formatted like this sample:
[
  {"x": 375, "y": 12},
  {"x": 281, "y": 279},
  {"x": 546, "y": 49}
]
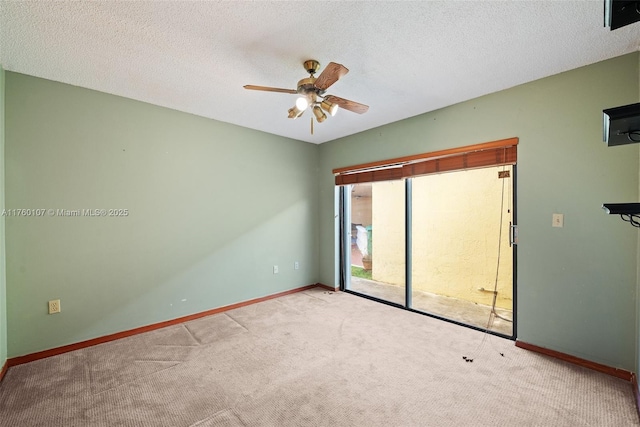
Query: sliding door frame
[
  {"x": 408, "y": 162},
  {"x": 513, "y": 239},
  {"x": 408, "y": 252}
]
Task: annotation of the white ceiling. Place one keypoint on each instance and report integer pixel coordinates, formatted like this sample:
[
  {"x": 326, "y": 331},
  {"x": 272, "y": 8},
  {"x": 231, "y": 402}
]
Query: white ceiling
[{"x": 405, "y": 58}]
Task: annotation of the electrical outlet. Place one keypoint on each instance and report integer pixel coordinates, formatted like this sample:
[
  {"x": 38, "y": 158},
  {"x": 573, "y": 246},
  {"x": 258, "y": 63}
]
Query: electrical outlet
[
  {"x": 275, "y": 269},
  {"x": 296, "y": 265},
  {"x": 54, "y": 306}
]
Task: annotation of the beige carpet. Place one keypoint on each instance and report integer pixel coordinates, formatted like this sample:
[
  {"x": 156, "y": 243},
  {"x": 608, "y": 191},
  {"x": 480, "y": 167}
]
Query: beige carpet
[{"x": 315, "y": 358}]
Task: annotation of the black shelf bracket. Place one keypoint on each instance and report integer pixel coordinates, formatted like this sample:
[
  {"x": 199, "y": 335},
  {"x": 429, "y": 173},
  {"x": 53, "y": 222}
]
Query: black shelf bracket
[{"x": 629, "y": 212}]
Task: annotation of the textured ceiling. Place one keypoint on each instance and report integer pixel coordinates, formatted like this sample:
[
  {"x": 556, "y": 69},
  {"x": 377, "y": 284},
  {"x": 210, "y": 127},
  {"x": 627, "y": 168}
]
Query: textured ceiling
[{"x": 405, "y": 58}]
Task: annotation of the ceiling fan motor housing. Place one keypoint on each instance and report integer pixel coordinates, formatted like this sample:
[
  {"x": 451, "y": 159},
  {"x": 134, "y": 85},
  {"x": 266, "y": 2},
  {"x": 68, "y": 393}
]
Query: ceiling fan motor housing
[{"x": 306, "y": 87}]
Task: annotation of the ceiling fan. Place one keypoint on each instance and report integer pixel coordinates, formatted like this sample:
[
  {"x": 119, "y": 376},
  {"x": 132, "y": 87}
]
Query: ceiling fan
[{"x": 312, "y": 89}]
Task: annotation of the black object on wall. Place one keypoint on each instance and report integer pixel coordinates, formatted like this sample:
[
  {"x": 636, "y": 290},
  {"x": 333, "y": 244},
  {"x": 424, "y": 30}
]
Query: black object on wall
[
  {"x": 622, "y": 125},
  {"x": 618, "y": 13},
  {"x": 622, "y": 208},
  {"x": 629, "y": 212}
]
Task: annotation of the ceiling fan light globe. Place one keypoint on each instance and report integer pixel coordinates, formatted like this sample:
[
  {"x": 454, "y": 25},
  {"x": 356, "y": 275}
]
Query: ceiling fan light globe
[
  {"x": 302, "y": 103},
  {"x": 294, "y": 112},
  {"x": 320, "y": 115},
  {"x": 329, "y": 107}
]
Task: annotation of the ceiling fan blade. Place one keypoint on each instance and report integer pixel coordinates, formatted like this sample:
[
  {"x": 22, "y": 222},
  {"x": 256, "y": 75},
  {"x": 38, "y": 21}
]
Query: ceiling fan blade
[
  {"x": 270, "y": 89},
  {"x": 330, "y": 75},
  {"x": 356, "y": 107}
]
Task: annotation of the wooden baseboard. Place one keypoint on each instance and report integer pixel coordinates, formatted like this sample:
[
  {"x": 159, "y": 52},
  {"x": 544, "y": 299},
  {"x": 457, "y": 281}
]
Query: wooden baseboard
[
  {"x": 3, "y": 370},
  {"x": 19, "y": 360},
  {"x": 616, "y": 372},
  {"x": 329, "y": 288}
]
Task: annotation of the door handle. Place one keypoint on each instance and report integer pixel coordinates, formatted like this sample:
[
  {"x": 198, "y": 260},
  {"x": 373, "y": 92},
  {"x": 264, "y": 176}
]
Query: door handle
[{"x": 513, "y": 234}]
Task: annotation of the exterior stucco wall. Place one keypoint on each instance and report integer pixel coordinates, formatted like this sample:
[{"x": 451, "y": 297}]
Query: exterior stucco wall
[{"x": 457, "y": 232}]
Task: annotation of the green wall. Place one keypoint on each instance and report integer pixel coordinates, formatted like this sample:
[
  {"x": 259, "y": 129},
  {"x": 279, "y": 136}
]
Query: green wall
[
  {"x": 3, "y": 297},
  {"x": 212, "y": 207},
  {"x": 576, "y": 285}
]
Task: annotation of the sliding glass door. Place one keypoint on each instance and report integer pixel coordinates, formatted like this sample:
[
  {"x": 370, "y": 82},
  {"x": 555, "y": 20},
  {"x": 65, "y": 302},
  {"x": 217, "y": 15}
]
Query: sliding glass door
[
  {"x": 457, "y": 228},
  {"x": 462, "y": 265},
  {"x": 376, "y": 240}
]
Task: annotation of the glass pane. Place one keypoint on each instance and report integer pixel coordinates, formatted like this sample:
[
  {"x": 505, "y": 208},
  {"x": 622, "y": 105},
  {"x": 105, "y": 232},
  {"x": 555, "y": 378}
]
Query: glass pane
[
  {"x": 377, "y": 240},
  {"x": 460, "y": 247}
]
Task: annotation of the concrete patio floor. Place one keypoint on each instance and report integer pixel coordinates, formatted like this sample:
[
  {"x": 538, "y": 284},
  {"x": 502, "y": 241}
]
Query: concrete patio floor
[{"x": 451, "y": 308}]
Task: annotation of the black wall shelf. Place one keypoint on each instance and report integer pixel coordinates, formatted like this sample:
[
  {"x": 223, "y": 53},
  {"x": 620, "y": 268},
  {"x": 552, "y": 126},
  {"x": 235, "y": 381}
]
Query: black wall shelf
[{"x": 629, "y": 212}]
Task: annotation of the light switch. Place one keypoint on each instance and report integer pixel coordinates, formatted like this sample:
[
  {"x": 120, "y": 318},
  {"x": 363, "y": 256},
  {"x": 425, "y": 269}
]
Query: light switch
[{"x": 557, "y": 220}]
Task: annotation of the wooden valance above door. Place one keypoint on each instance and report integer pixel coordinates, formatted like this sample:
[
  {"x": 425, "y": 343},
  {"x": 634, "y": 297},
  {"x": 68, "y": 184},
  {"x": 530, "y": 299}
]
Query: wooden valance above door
[{"x": 495, "y": 153}]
